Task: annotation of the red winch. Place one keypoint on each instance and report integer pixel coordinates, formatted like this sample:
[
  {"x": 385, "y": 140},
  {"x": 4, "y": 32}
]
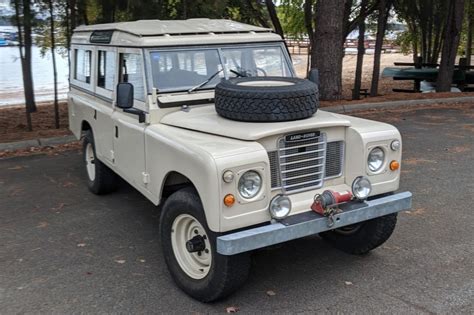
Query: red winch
[{"x": 324, "y": 203}]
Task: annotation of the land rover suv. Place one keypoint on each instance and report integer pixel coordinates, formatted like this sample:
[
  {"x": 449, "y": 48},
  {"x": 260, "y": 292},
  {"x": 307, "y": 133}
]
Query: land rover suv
[{"x": 207, "y": 119}]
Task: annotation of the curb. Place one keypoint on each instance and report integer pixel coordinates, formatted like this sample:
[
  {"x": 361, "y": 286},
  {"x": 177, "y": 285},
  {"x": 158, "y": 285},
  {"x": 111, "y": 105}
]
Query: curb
[
  {"x": 41, "y": 143},
  {"x": 341, "y": 109}
]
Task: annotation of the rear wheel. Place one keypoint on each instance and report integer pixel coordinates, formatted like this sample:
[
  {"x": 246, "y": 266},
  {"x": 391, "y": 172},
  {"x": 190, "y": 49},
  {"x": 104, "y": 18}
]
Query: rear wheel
[
  {"x": 100, "y": 179},
  {"x": 189, "y": 249},
  {"x": 359, "y": 239}
]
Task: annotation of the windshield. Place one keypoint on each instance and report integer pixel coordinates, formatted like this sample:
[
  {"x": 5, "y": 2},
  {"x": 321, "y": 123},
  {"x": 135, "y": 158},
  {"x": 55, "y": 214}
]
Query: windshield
[{"x": 181, "y": 70}]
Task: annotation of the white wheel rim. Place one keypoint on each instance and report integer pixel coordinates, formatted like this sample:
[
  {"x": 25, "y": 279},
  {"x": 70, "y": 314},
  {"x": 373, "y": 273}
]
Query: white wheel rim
[
  {"x": 90, "y": 161},
  {"x": 266, "y": 83},
  {"x": 195, "y": 265}
]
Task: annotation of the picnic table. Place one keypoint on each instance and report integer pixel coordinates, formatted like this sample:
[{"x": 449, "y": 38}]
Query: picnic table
[{"x": 419, "y": 71}]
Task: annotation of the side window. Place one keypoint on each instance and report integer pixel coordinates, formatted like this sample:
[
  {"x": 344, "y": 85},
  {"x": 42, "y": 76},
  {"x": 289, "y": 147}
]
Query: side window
[
  {"x": 106, "y": 69},
  {"x": 83, "y": 65},
  {"x": 131, "y": 72}
]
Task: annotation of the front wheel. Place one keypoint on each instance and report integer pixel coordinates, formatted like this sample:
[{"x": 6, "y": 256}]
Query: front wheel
[
  {"x": 189, "y": 249},
  {"x": 359, "y": 239}
]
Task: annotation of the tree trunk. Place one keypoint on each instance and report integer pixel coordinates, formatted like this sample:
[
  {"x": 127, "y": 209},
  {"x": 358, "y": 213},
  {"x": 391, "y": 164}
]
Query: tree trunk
[
  {"x": 184, "y": 5},
  {"x": 53, "y": 57},
  {"x": 360, "y": 55},
  {"x": 67, "y": 25},
  {"x": 308, "y": 22},
  {"x": 28, "y": 76},
  {"x": 328, "y": 48},
  {"x": 22, "y": 58},
  {"x": 73, "y": 14},
  {"x": 274, "y": 17},
  {"x": 384, "y": 7},
  {"x": 470, "y": 26},
  {"x": 82, "y": 11},
  {"x": 25, "y": 40},
  {"x": 346, "y": 19},
  {"x": 450, "y": 46},
  {"x": 257, "y": 13}
]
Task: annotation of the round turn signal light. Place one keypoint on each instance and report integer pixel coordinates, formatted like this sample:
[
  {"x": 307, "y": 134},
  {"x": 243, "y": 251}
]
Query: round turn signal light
[
  {"x": 229, "y": 200},
  {"x": 394, "y": 165}
]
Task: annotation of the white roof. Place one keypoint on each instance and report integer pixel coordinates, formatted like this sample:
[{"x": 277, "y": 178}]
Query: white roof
[
  {"x": 155, "y": 33},
  {"x": 174, "y": 27}
]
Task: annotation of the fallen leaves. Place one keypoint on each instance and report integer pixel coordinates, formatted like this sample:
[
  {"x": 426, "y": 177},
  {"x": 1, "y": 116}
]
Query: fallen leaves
[
  {"x": 50, "y": 150},
  {"x": 468, "y": 127},
  {"x": 68, "y": 184},
  {"x": 271, "y": 293},
  {"x": 232, "y": 309},
  {"x": 15, "y": 168},
  {"x": 417, "y": 211},
  {"x": 42, "y": 225},
  {"x": 59, "y": 207},
  {"x": 15, "y": 191},
  {"x": 459, "y": 149}
]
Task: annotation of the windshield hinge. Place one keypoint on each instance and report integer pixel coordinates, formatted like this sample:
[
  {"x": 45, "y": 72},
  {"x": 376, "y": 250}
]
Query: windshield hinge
[{"x": 146, "y": 178}]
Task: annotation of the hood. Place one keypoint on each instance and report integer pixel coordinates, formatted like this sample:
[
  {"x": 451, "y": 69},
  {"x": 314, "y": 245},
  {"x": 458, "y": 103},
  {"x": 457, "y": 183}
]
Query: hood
[{"x": 205, "y": 119}]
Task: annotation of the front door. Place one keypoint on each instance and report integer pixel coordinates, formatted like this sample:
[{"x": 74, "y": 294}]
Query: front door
[{"x": 129, "y": 134}]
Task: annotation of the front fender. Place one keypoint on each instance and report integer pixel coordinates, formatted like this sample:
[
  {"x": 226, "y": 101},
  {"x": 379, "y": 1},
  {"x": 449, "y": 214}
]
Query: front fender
[{"x": 192, "y": 154}]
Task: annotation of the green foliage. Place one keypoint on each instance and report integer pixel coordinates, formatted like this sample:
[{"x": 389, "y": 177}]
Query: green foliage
[
  {"x": 405, "y": 41},
  {"x": 291, "y": 14}
]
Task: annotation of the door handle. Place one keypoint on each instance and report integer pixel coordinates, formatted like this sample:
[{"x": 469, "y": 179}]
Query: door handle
[{"x": 116, "y": 132}]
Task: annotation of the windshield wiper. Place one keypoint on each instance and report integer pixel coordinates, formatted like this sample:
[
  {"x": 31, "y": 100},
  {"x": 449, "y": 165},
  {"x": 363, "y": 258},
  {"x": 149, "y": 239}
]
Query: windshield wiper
[
  {"x": 200, "y": 85},
  {"x": 240, "y": 74}
]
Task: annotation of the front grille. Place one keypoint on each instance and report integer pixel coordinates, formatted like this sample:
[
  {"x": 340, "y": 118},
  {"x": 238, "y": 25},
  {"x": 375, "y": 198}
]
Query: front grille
[
  {"x": 301, "y": 164},
  {"x": 334, "y": 156}
]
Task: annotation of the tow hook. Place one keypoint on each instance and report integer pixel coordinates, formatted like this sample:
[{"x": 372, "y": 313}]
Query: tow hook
[{"x": 196, "y": 244}]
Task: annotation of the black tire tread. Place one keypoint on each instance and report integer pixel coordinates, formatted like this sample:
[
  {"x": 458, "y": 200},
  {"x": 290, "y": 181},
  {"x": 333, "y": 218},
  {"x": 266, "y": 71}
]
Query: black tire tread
[
  {"x": 266, "y": 104},
  {"x": 105, "y": 179},
  {"x": 371, "y": 235},
  {"x": 227, "y": 274}
]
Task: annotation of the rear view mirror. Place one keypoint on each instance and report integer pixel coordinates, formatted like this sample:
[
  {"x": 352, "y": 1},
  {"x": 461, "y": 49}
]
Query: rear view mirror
[
  {"x": 314, "y": 76},
  {"x": 124, "y": 95}
]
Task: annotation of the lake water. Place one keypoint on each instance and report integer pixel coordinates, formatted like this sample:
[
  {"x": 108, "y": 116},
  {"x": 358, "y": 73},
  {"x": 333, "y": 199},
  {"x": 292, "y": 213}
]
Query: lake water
[{"x": 11, "y": 81}]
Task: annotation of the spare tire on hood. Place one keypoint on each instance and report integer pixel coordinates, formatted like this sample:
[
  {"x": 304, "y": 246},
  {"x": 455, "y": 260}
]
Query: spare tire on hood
[{"x": 266, "y": 99}]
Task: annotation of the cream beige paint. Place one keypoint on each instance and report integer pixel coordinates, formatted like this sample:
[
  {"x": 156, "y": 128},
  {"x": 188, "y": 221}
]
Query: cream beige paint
[{"x": 200, "y": 146}]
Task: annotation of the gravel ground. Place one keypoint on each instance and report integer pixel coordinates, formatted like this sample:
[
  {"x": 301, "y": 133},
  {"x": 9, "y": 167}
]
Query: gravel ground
[{"x": 65, "y": 250}]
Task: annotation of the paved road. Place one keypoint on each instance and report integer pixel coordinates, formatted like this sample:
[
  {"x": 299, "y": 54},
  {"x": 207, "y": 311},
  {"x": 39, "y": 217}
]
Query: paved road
[{"x": 65, "y": 250}]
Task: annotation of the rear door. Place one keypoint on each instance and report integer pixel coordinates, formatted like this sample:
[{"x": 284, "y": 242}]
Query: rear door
[{"x": 106, "y": 80}]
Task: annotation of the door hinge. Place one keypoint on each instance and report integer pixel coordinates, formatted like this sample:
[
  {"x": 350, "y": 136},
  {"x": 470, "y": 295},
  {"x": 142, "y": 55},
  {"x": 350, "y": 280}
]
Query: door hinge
[
  {"x": 146, "y": 178},
  {"x": 112, "y": 155}
]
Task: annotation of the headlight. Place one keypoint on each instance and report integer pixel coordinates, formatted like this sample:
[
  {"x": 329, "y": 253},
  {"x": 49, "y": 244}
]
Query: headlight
[
  {"x": 376, "y": 159},
  {"x": 361, "y": 187},
  {"x": 280, "y": 207},
  {"x": 249, "y": 184}
]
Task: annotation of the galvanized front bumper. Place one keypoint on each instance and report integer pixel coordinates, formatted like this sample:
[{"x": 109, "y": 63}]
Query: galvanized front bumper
[{"x": 310, "y": 223}]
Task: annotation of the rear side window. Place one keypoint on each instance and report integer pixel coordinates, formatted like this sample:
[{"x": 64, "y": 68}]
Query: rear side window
[
  {"x": 106, "y": 70},
  {"x": 131, "y": 72},
  {"x": 83, "y": 65}
]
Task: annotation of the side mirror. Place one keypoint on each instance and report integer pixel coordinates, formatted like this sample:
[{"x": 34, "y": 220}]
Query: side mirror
[
  {"x": 314, "y": 76},
  {"x": 124, "y": 95}
]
